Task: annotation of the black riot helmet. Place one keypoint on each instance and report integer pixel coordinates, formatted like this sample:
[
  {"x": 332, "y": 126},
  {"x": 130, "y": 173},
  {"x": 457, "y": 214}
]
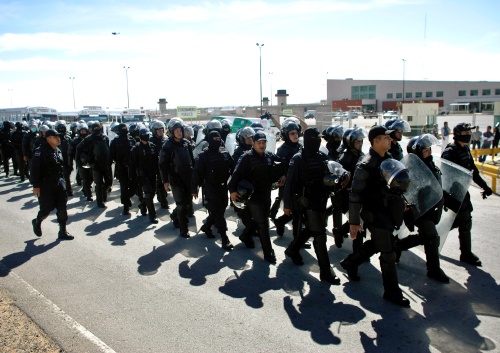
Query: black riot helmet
[
  {"x": 133, "y": 130},
  {"x": 334, "y": 175},
  {"x": 226, "y": 129},
  {"x": 173, "y": 124},
  {"x": 333, "y": 133},
  {"x": 80, "y": 127},
  {"x": 157, "y": 125},
  {"x": 245, "y": 189},
  {"x": 257, "y": 127},
  {"x": 398, "y": 125},
  {"x": 212, "y": 125},
  {"x": 289, "y": 125},
  {"x": 242, "y": 133},
  {"x": 144, "y": 134},
  {"x": 358, "y": 133},
  {"x": 424, "y": 141},
  {"x": 19, "y": 126},
  {"x": 396, "y": 176},
  {"x": 409, "y": 146},
  {"x": 60, "y": 126}
]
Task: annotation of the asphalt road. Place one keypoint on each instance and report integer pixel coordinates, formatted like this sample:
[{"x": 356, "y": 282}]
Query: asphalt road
[{"x": 124, "y": 285}]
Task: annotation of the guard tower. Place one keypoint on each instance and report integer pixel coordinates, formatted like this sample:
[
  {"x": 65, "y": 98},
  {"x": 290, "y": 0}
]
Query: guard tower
[
  {"x": 281, "y": 96},
  {"x": 265, "y": 102},
  {"x": 162, "y": 102}
]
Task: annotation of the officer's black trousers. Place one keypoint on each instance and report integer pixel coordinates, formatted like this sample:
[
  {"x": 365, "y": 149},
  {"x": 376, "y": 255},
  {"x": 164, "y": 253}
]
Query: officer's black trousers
[
  {"x": 463, "y": 221},
  {"x": 103, "y": 181},
  {"x": 216, "y": 203},
  {"x": 161, "y": 194},
  {"x": 53, "y": 195},
  {"x": 383, "y": 242},
  {"x": 86, "y": 175},
  {"x": 182, "y": 198},
  {"x": 23, "y": 166},
  {"x": 259, "y": 211},
  {"x": 125, "y": 192},
  {"x": 148, "y": 185}
]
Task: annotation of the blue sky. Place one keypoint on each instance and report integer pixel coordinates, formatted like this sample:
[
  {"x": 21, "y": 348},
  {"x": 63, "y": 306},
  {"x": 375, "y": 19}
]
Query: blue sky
[{"x": 203, "y": 53}]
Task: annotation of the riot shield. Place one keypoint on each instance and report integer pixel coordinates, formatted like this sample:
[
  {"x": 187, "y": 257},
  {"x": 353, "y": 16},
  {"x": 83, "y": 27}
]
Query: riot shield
[
  {"x": 231, "y": 143},
  {"x": 323, "y": 149},
  {"x": 200, "y": 137},
  {"x": 199, "y": 148},
  {"x": 424, "y": 191},
  {"x": 271, "y": 142},
  {"x": 456, "y": 182}
]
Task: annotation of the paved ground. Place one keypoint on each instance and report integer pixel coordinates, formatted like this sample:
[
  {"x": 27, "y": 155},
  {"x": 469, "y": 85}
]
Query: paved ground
[{"x": 125, "y": 286}]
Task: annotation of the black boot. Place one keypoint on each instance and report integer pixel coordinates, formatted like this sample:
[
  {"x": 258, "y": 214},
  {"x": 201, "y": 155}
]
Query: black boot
[
  {"x": 206, "y": 228},
  {"x": 295, "y": 256},
  {"x": 325, "y": 271},
  {"x": 350, "y": 264},
  {"x": 126, "y": 211},
  {"x": 434, "y": 270},
  {"x": 226, "y": 244},
  {"x": 246, "y": 238},
  {"x": 143, "y": 208},
  {"x": 63, "y": 233},
  {"x": 37, "y": 227},
  {"x": 392, "y": 292},
  {"x": 280, "y": 227},
  {"x": 338, "y": 237}
]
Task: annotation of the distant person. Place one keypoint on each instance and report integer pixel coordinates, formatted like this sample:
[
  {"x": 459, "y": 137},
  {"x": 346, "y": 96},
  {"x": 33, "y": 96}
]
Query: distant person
[
  {"x": 424, "y": 129},
  {"x": 487, "y": 140},
  {"x": 445, "y": 133},
  {"x": 476, "y": 138},
  {"x": 435, "y": 130},
  {"x": 496, "y": 136}
]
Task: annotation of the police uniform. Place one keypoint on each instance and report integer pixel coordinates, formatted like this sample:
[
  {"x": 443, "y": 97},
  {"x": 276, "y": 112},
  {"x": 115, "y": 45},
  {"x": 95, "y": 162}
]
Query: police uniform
[
  {"x": 461, "y": 155},
  {"x": 304, "y": 184},
  {"x": 262, "y": 171},
  {"x": 161, "y": 193},
  {"x": 176, "y": 168},
  {"x": 47, "y": 174},
  {"x": 211, "y": 170},
  {"x": 382, "y": 213},
  {"x": 144, "y": 167}
]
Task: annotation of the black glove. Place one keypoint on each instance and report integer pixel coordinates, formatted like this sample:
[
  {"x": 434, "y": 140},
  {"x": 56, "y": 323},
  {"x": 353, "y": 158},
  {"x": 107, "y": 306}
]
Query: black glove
[{"x": 487, "y": 192}]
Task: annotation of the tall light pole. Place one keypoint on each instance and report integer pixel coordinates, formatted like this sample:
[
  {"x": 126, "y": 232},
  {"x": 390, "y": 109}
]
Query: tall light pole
[
  {"x": 271, "y": 86},
  {"x": 10, "y": 91},
  {"x": 126, "y": 76},
  {"x": 73, "y": 87},
  {"x": 404, "y": 64},
  {"x": 260, "y": 73}
]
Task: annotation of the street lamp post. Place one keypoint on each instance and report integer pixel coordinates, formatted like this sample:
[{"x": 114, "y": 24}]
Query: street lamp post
[
  {"x": 260, "y": 73},
  {"x": 73, "y": 88},
  {"x": 404, "y": 64},
  {"x": 271, "y": 87},
  {"x": 126, "y": 76}
]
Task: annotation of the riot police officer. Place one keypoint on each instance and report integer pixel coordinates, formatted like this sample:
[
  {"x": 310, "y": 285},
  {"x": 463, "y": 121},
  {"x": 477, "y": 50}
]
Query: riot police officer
[
  {"x": 398, "y": 127},
  {"x": 96, "y": 146},
  {"x": 176, "y": 169},
  {"x": 262, "y": 169},
  {"x": 17, "y": 143},
  {"x": 30, "y": 143},
  {"x": 458, "y": 152},
  {"x": 290, "y": 132},
  {"x": 427, "y": 234},
  {"x": 158, "y": 139},
  {"x": 212, "y": 125},
  {"x": 60, "y": 127},
  {"x": 244, "y": 139},
  {"x": 211, "y": 170},
  {"x": 381, "y": 207},
  {"x": 119, "y": 150},
  {"x": 333, "y": 137},
  {"x": 348, "y": 159},
  {"x": 81, "y": 161},
  {"x": 144, "y": 168},
  {"x": 6, "y": 146},
  {"x": 47, "y": 177},
  {"x": 305, "y": 184}
]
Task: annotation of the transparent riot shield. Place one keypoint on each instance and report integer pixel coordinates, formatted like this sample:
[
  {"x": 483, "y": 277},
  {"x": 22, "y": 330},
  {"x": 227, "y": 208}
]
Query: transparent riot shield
[
  {"x": 323, "y": 149},
  {"x": 200, "y": 137},
  {"x": 456, "y": 182},
  {"x": 424, "y": 191},
  {"x": 271, "y": 142},
  {"x": 231, "y": 143},
  {"x": 199, "y": 148}
]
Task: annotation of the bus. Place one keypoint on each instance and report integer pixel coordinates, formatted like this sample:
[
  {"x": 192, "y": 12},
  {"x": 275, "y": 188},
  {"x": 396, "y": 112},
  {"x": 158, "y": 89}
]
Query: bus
[
  {"x": 69, "y": 116},
  {"x": 131, "y": 116},
  {"x": 99, "y": 115},
  {"x": 28, "y": 113}
]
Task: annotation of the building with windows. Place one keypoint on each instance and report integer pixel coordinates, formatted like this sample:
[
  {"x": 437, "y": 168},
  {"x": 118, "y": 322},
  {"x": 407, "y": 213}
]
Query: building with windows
[{"x": 383, "y": 95}]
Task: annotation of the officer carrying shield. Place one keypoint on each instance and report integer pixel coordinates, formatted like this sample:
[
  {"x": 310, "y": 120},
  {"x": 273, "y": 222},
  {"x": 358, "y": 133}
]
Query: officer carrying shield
[
  {"x": 458, "y": 152},
  {"x": 305, "y": 184},
  {"x": 211, "y": 170},
  {"x": 375, "y": 198},
  {"x": 47, "y": 177}
]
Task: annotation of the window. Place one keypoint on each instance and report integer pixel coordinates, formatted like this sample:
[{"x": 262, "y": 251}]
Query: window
[
  {"x": 497, "y": 91},
  {"x": 439, "y": 94},
  {"x": 486, "y": 92},
  {"x": 473, "y": 92},
  {"x": 399, "y": 95},
  {"x": 418, "y": 94},
  {"x": 409, "y": 118},
  {"x": 408, "y": 95},
  {"x": 389, "y": 95},
  {"x": 462, "y": 93},
  {"x": 428, "y": 94},
  {"x": 363, "y": 92}
]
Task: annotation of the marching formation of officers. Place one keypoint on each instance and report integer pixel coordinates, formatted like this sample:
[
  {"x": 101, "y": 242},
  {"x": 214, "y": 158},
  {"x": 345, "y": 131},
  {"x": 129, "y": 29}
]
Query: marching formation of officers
[{"x": 369, "y": 189}]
